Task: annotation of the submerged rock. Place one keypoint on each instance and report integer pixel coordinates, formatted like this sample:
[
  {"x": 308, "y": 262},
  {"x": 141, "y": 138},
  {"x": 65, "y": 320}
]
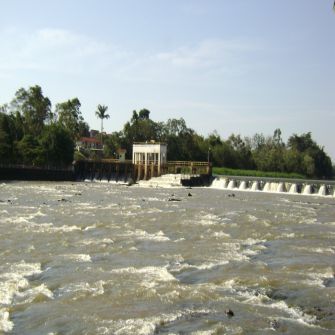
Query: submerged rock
[
  {"x": 229, "y": 312},
  {"x": 274, "y": 324},
  {"x": 130, "y": 181}
]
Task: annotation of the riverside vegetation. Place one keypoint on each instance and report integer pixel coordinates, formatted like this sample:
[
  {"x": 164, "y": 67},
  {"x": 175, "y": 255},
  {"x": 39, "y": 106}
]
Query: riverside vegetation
[{"x": 34, "y": 133}]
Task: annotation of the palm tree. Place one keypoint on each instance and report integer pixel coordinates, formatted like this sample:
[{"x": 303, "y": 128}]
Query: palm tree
[{"x": 101, "y": 114}]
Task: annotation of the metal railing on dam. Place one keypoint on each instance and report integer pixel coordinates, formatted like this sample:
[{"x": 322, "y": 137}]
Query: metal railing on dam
[{"x": 278, "y": 185}]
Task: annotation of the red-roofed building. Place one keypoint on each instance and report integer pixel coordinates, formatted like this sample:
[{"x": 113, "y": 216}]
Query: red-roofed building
[{"x": 89, "y": 143}]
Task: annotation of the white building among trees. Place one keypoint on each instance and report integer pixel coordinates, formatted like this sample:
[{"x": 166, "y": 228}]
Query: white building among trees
[{"x": 150, "y": 155}]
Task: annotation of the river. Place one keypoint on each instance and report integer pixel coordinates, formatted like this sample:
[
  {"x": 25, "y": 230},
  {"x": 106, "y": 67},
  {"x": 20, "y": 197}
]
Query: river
[{"x": 100, "y": 258}]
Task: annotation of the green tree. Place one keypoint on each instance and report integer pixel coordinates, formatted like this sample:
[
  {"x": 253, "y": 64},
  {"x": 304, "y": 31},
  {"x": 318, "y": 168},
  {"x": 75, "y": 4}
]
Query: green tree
[
  {"x": 58, "y": 146},
  {"x": 30, "y": 151},
  {"x": 34, "y": 107},
  {"x": 101, "y": 114},
  {"x": 140, "y": 128},
  {"x": 69, "y": 116},
  {"x": 316, "y": 163},
  {"x": 111, "y": 143},
  {"x": 144, "y": 114},
  {"x": 242, "y": 152},
  {"x": 84, "y": 129},
  {"x": 6, "y": 143}
]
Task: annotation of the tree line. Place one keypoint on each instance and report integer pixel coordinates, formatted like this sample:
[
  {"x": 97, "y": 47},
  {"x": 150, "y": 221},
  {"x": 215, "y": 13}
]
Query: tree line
[{"x": 33, "y": 133}]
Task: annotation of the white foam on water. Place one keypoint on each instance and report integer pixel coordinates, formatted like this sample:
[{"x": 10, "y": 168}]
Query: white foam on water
[
  {"x": 210, "y": 265},
  {"x": 257, "y": 298},
  {"x": 154, "y": 199},
  {"x": 12, "y": 281},
  {"x": 288, "y": 235},
  {"x": 96, "y": 241},
  {"x": 50, "y": 228},
  {"x": 307, "y": 321},
  {"x": 295, "y": 313},
  {"x": 39, "y": 227},
  {"x": 150, "y": 276},
  {"x": 250, "y": 252},
  {"x": 145, "y": 326},
  {"x": 80, "y": 288},
  {"x": 36, "y": 214},
  {"x": 148, "y": 325},
  {"x": 318, "y": 278},
  {"x": 154, "y": 210},
  {"x": 5, "y": 324},
  {"x": 309, "y": 221},
  {"x": 29, "y": 295},
  {"x": 202, "y": 332},
  {"x": 220, "y": 234},
  {"x": 233, "y": 252},
  {"x": 252, "y": 241},
  {"x": 93, "y": 226},
  {"x": 207, "y": 219},
  {"x": 319, "y": 250},
  {"x": 81, "y": 258},
  {"x": 14, "y": 289},
  {"x": 164, "y": 181},
  {"x": 65, "y": 228},
  {"x": 252, "y": 218},
  {"x": 228, "y": 284},
  {"x": 17, "y": 220},
  {"x": 143, "y": 235}
]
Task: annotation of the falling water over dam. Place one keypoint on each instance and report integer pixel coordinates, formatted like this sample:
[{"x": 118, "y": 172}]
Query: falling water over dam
[{"x": 276, "y": 185}]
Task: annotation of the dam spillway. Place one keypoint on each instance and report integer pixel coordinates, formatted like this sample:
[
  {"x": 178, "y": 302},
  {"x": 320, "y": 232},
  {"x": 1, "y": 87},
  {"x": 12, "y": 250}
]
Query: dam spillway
[{"x": 278, "y": 185}]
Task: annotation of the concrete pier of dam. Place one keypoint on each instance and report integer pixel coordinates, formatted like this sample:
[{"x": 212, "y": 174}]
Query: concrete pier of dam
[{"x": 276, "y": 185}]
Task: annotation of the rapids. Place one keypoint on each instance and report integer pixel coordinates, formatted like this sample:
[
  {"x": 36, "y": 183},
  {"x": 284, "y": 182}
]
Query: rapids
[{"x": 104, "y": 258}]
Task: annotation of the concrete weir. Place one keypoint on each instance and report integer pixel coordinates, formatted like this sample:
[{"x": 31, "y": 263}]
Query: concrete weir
[{"x": 278, "y": 185}]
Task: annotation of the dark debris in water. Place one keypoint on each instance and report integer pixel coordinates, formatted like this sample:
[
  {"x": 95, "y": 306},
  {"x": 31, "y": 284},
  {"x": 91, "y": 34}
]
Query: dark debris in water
[
  {"x": 4, "y": 201},
  {"x": 174, "y": 199},
  {"x": 63, "y": 200}
]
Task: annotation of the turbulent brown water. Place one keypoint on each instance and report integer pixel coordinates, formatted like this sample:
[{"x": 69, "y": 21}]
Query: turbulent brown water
[{"x": 98, "y": 258}]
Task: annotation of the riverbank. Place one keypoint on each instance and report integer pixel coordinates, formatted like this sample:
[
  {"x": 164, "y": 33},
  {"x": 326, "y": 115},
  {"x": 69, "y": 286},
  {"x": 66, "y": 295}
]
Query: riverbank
[{"x": 21, "y": 172}]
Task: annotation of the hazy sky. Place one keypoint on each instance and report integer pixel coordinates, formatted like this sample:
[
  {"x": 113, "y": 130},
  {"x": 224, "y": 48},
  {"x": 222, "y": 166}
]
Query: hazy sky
[{"x": 235, "y": 66}]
